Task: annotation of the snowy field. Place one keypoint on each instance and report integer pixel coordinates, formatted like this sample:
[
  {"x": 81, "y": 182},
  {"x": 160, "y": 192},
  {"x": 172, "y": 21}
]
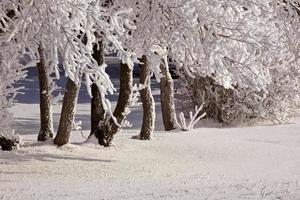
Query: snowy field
[{"x": 210, "y": 162}]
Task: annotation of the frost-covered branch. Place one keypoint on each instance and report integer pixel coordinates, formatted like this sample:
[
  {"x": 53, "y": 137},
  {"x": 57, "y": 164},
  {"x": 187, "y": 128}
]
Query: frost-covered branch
[{"x": 193, "y": 120}]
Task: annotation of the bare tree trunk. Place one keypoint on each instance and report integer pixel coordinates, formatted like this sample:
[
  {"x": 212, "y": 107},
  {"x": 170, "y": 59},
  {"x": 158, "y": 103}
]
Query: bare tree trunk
[
  {"x": 97, "y": 110},
  {"x": 67, "y": 113},
  {"x": 147, "y": 101},
  {"x": 46, "y": 129},
  {"x": 167, "y": 98},
  {"x": 106, "y": 131}
]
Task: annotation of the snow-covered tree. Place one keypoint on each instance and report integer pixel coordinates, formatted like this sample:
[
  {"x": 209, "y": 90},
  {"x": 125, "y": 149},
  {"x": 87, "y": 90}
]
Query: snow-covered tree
[
  {"x": 66, "y": 28},
  {"x": 45, "y": 81},
  {"x": 137, "y": 45},
  {"x": 10, "y": 72},
  {"x": 248, "y": 50},
  {"x": 97, "y": 110},
  {"x": 240, "y": 57},
  {"x": 155, "y": 22}
]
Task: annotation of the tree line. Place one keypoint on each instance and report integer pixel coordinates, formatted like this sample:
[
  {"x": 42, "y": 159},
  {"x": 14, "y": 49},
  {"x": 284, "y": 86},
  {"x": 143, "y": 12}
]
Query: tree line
[{"x": 238, "y": 59}]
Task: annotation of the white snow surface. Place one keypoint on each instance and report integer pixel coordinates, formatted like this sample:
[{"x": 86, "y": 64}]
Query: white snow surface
[{"x": 260, "y": 162}]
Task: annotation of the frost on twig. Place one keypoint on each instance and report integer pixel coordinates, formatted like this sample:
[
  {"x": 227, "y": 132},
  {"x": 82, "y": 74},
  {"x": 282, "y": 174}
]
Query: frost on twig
[
  {"x": 77, "y": 125},
  {"x": 194, "y": 118}
]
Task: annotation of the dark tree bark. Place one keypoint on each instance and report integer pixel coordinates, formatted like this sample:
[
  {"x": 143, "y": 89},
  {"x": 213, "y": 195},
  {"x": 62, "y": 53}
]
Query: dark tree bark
[
  {"x": 167, "y": 98},
  {"x": 67, "y": 113},
  {"x": 97, "y": 110},
  {"x": 106, "y": 131},
  {"x": 147, "y": 101},
  {"x": 46, "y": 129}
]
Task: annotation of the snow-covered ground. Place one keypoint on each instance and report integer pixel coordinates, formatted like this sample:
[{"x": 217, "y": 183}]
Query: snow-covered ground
[{"x": 210, "y": 162}]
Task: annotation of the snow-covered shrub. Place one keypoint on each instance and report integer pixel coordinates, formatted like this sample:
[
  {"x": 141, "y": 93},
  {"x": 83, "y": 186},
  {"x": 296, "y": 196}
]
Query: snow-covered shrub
[
  {"x": 10, "y": 72},
  {"x": 243, "y": 60},
  {"x": 238, "y": 105}
]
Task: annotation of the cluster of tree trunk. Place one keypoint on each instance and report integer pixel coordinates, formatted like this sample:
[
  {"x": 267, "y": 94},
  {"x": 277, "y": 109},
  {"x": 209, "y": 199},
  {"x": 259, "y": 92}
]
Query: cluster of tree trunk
[
  {"x": 103, "y": 126},
  {"x": 68, "y": 107}
]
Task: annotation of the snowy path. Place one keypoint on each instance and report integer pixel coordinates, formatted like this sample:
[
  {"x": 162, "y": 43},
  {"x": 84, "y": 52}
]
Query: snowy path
[{"x": 208, "y": 163}]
